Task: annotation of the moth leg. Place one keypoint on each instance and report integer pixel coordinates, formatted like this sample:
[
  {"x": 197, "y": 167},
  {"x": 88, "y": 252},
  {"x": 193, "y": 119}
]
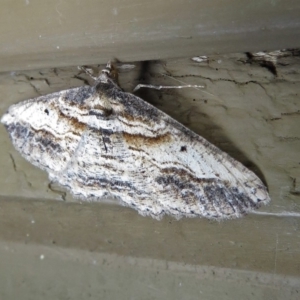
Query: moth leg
[
  {"x": 159, "y": 87},
  {"x": 88, "y": 71}
]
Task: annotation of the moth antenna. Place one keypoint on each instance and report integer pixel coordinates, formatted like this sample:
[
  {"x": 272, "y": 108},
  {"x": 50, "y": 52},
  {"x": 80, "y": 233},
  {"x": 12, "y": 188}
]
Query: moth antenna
[
  {"x": 88, "y": 71},
  {"x": 205, "y": 92},
  {"x": 159, "y": 87}
]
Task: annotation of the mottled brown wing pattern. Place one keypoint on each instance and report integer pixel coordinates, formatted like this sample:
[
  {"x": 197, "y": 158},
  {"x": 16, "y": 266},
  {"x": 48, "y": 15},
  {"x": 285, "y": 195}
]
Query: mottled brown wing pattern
[{"x": 100, "y": 141}]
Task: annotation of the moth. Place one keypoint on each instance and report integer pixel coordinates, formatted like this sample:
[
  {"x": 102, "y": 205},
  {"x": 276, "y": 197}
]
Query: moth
[{"x": 99, "y": 141}]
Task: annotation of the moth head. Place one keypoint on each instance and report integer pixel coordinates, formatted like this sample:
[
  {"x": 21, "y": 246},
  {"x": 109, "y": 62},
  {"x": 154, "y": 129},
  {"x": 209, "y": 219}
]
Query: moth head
[{"x": 108, "y": 74}]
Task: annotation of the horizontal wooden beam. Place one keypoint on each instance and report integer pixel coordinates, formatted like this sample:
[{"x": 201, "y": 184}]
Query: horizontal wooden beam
[{"x": 37, "y": 34}]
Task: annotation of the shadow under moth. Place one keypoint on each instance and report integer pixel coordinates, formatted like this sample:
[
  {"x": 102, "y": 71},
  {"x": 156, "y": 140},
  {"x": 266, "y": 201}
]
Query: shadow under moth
[{"x": 99, "y": 141}]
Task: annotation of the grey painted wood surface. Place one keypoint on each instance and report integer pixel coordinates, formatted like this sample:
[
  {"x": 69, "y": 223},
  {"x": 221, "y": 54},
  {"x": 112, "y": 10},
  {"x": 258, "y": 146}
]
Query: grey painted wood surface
[{"x": 37, "y": 34}]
